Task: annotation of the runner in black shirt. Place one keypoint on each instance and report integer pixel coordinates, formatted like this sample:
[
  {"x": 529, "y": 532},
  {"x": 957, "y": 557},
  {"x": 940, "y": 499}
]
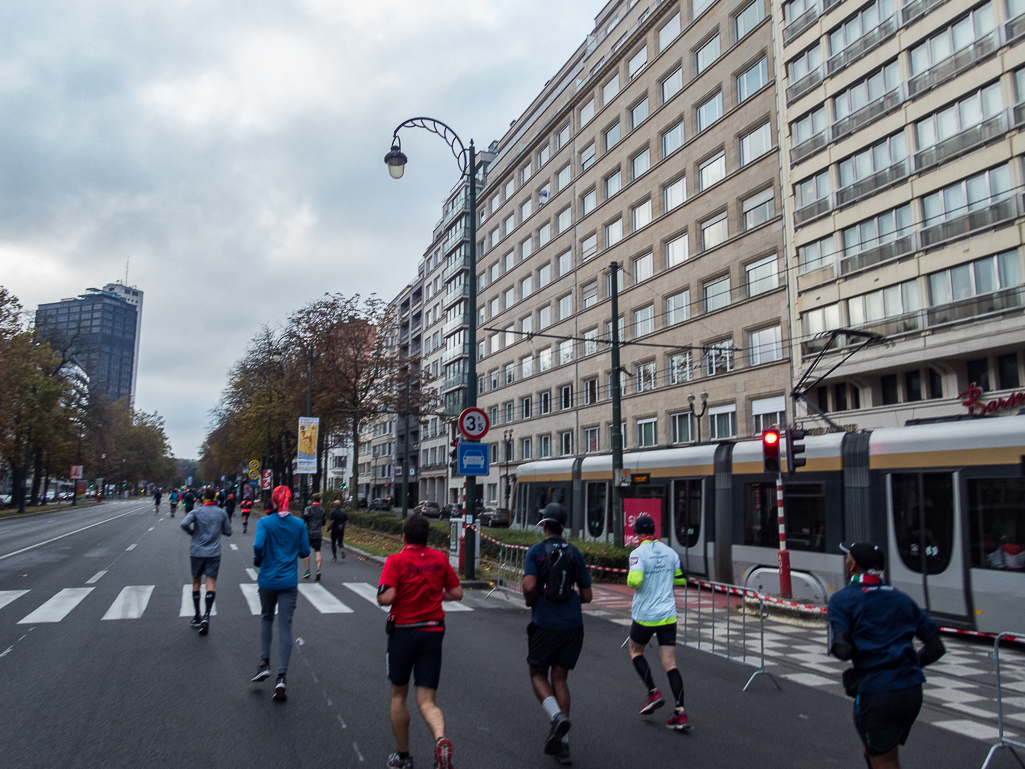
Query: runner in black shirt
[{"x": 336, "y": 525}]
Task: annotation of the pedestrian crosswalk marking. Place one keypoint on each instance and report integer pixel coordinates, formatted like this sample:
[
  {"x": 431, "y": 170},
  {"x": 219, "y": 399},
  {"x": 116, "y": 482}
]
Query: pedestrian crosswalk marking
[
  {"x": 252, "y": 593},
  {"x": 323, "y": 601},
  {"x": 130, "y": 603},
  {"x": 95, "y": 577},
  {"x": 365, "y": 590},
  {"x": 58, "y": 607},
  {"x": 253, "y": 573},
  {"x": 233, "y": 546},
  {"x": 188, "y": 608},
  {"x": 6, "y": 596}
]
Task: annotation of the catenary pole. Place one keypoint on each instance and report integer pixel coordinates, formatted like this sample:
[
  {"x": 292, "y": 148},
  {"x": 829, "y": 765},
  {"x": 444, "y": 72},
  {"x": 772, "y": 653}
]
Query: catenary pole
[{"x": 617, "y": 413}]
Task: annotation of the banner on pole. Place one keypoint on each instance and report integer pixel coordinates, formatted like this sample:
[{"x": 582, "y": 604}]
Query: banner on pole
[
  {"x": 306, "y": 458},
  {"x": 76, "y": 473}
]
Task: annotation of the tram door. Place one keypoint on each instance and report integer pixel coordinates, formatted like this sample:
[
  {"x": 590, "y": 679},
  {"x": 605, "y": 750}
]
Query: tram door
[
  {"x": 597, "y": 512},
  {"x": 925, "y": 544},
  {"x": 688, "y": 535}
]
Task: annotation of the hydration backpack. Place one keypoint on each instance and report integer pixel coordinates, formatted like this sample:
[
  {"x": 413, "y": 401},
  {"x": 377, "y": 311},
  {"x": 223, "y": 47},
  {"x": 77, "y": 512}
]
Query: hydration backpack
[{"x": 561, "y": 572}]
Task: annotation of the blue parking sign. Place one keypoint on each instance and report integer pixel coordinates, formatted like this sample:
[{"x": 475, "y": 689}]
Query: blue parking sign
[{"x": 474, "y": 459}]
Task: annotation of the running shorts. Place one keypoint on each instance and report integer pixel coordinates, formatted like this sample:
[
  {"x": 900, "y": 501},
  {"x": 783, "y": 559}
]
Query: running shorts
[
  {"x": 554, "y": 648},
  {"x": 641, "y": 634},
  {"x": 416, "y": 652},
  {"x": 315, "y": 543},
  {"x": 207, "y": 566},
  {"x": 884, "y": 719}
]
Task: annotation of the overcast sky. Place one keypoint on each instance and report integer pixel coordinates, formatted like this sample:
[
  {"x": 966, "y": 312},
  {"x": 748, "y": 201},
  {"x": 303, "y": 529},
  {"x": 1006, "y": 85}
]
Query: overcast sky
[{"x": 232, "y": 150}]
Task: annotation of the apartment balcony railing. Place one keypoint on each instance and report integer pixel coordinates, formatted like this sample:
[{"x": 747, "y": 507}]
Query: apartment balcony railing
[
  {"x": 809, "y": 146},
  {"x": 881, "y": 253},
  {"x": 453, "y": 353},
  {"x": 453, "y": 382},
  {"x": 452, "y": 325},
  {"x": 816, "y": 277},
  {"x": 454, "y": 212},
  {"x": 877, "y": 181},
  {"x": 1019, "y": 115},
  {"x": 829, "y": 5},
  {"x": 813, "y": 211},
  {"x": 996, "y": 214},
  {"x": 456, "y": 266},
  {"x": 455, "y": 294},
  {"x": 805, "y": 84},
  {"x": 967, "y": 57},
  {"x": 886, "y": 29},
  {"x": 1014, "y": 29},
  {"x": 453, "y": 236},
  {"x": 966, "y": 141},
  {"x": 801, "y": 23},
  {"x": 866, "y": 115},
  {"x": 916, "y": 9}
]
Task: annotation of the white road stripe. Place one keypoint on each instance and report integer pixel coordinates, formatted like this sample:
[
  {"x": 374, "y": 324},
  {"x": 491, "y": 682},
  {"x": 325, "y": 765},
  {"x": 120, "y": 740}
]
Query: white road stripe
[
  {"x": 130, "y": 603},
  {"x": 151, "y": 528},
  {"x": 365, "y": 590},
  {"x": 131, "y": 547},
  {"x": 58, "y": 607},
  {"x": 188, "y": 609},
  {"x": 253, "y": 573},
  {"x": 62, "y": 536},
  {"x": 6, "y": 596},
  {"x": 233, "y": 546},
  {"x": 95, "y": 577},
  {"x": 252, "y": 593},
  {"x": 323, "y": 601}
]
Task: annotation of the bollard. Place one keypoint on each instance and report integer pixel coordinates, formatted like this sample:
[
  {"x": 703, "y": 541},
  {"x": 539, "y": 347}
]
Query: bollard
[{"x": 1003, "y": 742}]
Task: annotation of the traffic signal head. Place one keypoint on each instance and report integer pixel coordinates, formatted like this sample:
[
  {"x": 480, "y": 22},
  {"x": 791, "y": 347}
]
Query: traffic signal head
[
  {"x": 770, "y": 451},
  {"x": 795, "y": 447}
]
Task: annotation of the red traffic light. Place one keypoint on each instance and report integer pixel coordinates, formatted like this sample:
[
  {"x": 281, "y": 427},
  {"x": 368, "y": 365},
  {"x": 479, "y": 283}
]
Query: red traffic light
[
  {"x": 770, "y": 451},
  {"x": 770, "y": 437}
]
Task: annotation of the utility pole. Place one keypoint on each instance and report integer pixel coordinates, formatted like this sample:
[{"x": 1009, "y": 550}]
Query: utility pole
[
  {"x": 471, "y": 368},
  {"x": 24, "y": 471},
  {"x": 405, "y": 453},
  {"x": 78, "y": 461},
  {"x": 305, "y": 478},
  {"x": 617, "y": 413}
]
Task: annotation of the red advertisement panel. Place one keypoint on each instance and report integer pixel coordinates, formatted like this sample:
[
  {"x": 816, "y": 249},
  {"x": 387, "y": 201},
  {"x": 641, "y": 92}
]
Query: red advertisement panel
[{"x": 632, "y": 508}]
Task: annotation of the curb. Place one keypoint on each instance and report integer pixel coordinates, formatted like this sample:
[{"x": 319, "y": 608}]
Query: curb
[{"x": 68, "y": 509}]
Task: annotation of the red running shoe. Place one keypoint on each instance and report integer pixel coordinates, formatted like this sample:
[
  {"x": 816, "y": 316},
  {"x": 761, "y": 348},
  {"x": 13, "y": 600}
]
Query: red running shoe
[
  {"x": 654, "y": 702},
  {"x": 443, "y": 753},
  {"x": 678, "y": 721}
]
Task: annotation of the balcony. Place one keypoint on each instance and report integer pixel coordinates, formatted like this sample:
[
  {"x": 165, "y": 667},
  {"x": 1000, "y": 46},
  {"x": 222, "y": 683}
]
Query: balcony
[
  {"x": 453, "y": 353},
  {"x": 966, "y": 141},
  {"x": 811, "y": 212},
  {"x": 809, "y": 147},
  {"x": 798, "y": 25},
  {"x": 978, "y": 51},
  {"x": 866, "y": 115},
  {"x": 998, "y": 214},
  {"x": 886, "y": 29},
  {"x": 916, "y": 9},
  {"x": 456, "y": 266},
  {"x": 1014, "y": 29},
  {"x": 454, "y": 381},
  {"x": 877, "y": 181},
  {"x": 877, "y": 255},
  {"x": 976, "y": 306},
  {"x": 454, "y": 211},
  {"x": 454, "y": 295},
  {"x": 816, "y": 277},
  {"x": 805, "y": 84},
  {"x": 453, "y": 325},
  {"x": 1019, "y": 115}
]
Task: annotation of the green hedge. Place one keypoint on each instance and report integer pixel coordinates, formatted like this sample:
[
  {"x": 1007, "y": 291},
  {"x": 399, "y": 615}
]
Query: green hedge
[{"x": 595, "y": 553}]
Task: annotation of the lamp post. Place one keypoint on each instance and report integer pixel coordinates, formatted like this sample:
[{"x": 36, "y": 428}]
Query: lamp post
[
  {"x": 467, "y": 159},
  {"x": 507, "y": 449},
  {"x": 697, "y": 416},
  {"x": 304, "y": 478},
  {"x": 78, "y": 461}
]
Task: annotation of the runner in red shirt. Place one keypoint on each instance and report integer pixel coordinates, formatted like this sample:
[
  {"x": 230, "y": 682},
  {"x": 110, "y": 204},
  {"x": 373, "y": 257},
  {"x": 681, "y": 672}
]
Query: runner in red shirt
[{"x": 414, "y": 582}]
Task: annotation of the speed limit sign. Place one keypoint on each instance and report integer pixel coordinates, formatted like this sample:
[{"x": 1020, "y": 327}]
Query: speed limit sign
[{"x": 473, "y": 423}]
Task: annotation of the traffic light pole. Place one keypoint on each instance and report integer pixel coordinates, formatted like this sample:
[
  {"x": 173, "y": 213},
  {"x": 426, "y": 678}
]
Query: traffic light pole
[
  {"x": 470, "y": 511},
  {"x": 617, "y": 415},
  {"x": 785, "y": 588}
]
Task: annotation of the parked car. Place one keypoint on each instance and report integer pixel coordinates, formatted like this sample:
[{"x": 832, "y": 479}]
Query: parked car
[
  {"x": 5, "y": 500},
  {"x": 494, "y": 517},
  {"x": 362, "y": 503},
  {"x": 381, "y": 503},
  {"x": 452, "y": 511},
  {"x": 430, "y": 509}
]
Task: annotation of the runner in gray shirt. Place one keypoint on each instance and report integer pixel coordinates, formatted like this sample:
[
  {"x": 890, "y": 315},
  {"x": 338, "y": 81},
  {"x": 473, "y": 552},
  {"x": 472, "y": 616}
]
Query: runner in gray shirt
[
  {"x": 205, "y": 525},
  {"x": 314, "y": 517}
]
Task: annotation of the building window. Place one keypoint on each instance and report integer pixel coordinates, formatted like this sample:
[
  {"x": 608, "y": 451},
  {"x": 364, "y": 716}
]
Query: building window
[
  {"x": 812, "y": 124},
  {"x": 708, "y": 53},
  {"x": 493, "y": 415},
  {"x": 639, "y": 113},
  {"x": 588, "y": 247},
  {"x": 546, "y": 403},
  {"x": 566, "y": 397},
  {"x": 641, "y": 215},
  {"x": 546, "y": 447},
  {"x": 722, "y": 422},
  {"x": 565, "y": 219},
  {"x": 565, "y": 443},
  {"x": 586, "y": 113},
  {"x": 804, "y": 64},
  {"x": 544, "y": 359},
  {"x": 762, "y": 276},
  {"x": 589, "y": 295},
  {"x": 526, "y": 449},
  {"x": 889, "y": 302},
  {"x": 758, "y": 209},
  {"x": 647, "y": 433},
  {"x": 643, "y": 268},
  {"x": 712, "y": 171},
  {"x": 812, "y": 189},
  {"x": 510, "y": 373},
  {"x": 524, "y": 174},
  {"x": 587, "y": 157},
  {"x": 508, "y": 415},
  {"x": 672, "y": 84},
  {"x": 680, "y": 368},
  {"x": 612, "y": 137},
  {"x": 755, "y": 144},
  {"x": 887, "y": 227},
  {"x": 526, "y": 367},
  {"x": 544, "y": 234},
  {"x": 494, "y": 380},
  {"x": 675, "y": 194},
  {"x": 682, "y": 427},
  {"x": 645, "y": 377},
  {"x": 637, "y": 62},
  {"x": 709, "y": 112},
  {"x": 613, "y": 184},
  {"x": 676, "y": 251},
  {"x": 564, "y": 178},
  {"x": 562, "y": 139},
  {"x": 861, "y": 94},
  {"x": 590, "y": 341},
  {"x": 565, "y": 264},
  {"x": 719, "y": 358},
  {"x": 947, "y": 42},
  {"x": 613, "y": 233},
  {"x": 641, "y": 163},
  {"x": 982, "y": 276},
  {"x": 525, "y": 407},
  {"x": 510, "y": 298},
  {"x": 565, "y": 351},
  {"x": 1007, "y": 371},
  {"x": 544, "y": 276},
  {"x": 672, "y": 139},
  {"x": 526, "y": 286},
  {"x": 888, "y": 386},
  {"x": 588, "y": 202},
  {"x": 871, "y": 160},
  {"x": 714, "y": 231},
  {"x": 678, "y": 308},
  {"x": 610, "y": 89},
  {"x": 591, "y": 435},
  {"x": 967, "y": 195},
  {"x": 590, "y": 391},
  {"x": 859, "y": 25},
  {"x": 542, "y": 156},
  {"x": 669, "y": 32},
  {"x": 717, "y": 294},
  {"x": 748, "y": 18},
  {"x": 644, "y": 321},
  {"x": 752, "y": 80},
  {"x": 765, "y": 345}
]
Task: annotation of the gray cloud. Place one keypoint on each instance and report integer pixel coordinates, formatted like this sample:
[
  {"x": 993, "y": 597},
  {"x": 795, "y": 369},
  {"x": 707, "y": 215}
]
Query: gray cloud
[{"x": 232, "y": 151}]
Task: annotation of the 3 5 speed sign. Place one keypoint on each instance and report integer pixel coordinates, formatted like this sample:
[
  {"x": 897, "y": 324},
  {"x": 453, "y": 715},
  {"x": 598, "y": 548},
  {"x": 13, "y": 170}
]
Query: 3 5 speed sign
[{"x": 473, "y": 423}]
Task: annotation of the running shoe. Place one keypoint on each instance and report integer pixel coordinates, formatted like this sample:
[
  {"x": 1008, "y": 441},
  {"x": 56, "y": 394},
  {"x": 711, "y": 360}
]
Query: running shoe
[
  {"x": 562, "y": 757},
  {"x": 307, "y": 574},
  {"x": 679, "y": 721},
  {"x": 400, "y": 763},
  {"x": 262, "y": 672},
  {"x": 654, "y": 702},
  {"x": 560, "y": 726},
  {"x": 279, "y": 690},
  {"x": 317, "y": 578},
  {"x": 204, "y": 626},
  {"x": 443, "y": 753},
  {"x": 196, "y": 622}
]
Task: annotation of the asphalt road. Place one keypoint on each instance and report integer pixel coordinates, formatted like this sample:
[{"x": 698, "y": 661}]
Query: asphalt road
[{"x": 150, "y": 692}]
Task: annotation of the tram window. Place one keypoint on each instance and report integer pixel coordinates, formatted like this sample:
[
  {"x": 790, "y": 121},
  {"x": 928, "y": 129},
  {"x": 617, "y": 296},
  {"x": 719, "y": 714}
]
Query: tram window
[
  {"x": 805, "y": 514},
  {"x": 996, "y": 509},
  {"x": 596, "y": 493},
  {"x": 687, "y": 512},
  {"x": 923, "y": 519}
]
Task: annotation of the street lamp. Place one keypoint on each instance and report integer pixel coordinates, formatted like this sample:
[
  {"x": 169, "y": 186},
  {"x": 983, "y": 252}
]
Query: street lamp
[
  {"x": 507, "y": 449},
  {"x": 704, "y": 408},
  {"x": 466, "y": 157}
]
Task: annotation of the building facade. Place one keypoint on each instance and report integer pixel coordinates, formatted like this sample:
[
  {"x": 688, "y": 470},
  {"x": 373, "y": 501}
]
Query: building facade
[{"x": 903, "y": 179}]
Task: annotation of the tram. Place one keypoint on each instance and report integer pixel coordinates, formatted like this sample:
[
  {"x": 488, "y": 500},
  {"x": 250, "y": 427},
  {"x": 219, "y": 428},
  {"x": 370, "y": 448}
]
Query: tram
[{"x": 946, "y": 500}]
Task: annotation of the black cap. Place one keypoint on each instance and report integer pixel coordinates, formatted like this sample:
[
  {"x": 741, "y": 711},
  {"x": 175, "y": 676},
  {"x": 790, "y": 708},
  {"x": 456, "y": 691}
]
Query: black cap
[
  {"x": 555, "y": 513},
  {"x": 644, "y": 526},
  {"x": 868, "y": 556}
]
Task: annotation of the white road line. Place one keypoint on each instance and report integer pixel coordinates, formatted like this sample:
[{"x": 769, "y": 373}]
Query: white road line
[
  {"x": 188, "y": 609},
  {"x": 151, "y": 528},
  {"x": 131, "y": 547},
  {"x": 6, "y": 596},
  {"x": 233, "y": 546},
  {"x": 58, "y": 607},
  {"x": 252, "y": 594},
  {"x": 95, "y": 577},
  {"x": 323, "y": 601},
  {"x": 454, "y": 606},
  {"x": 253, "y": 573},
  {"x": 130, "y": 603},
  {"x": 62, "y": 536},
  {"x": 365, "y": 590}
]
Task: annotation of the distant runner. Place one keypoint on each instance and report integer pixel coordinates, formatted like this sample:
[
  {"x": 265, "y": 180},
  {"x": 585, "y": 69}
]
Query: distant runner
[
  {"x": 229, "y": 506},
  {"x": 173, "y": 501},
  {"x": 205, "y": 526},
  {"x": 189, "y": 500},
  {"x": 245, "y": 509},
  {"x": 313, "y": 517},
  {"x": 336, "y": 525},
  {"x": 156, "y": 500}
]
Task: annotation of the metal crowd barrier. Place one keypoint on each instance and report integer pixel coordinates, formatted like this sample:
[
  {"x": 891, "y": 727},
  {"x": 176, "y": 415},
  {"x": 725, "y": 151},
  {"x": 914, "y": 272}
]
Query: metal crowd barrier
[
  {"x": 510, "y": 569},
  {"x": 1003, "y": 742}
]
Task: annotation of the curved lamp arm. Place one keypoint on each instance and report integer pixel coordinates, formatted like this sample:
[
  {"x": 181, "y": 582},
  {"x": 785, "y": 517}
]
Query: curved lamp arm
[{"x": 435, "y": 127}]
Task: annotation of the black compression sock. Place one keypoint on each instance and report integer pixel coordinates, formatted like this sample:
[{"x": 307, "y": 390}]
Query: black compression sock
[
  {"x": 676, "y": 682},
  {"x": 209, "y": 600},
  {"x": 641, "y": 665},
  {"x": 403, "y": 755},
  {"x": 195, "y": 601}
]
